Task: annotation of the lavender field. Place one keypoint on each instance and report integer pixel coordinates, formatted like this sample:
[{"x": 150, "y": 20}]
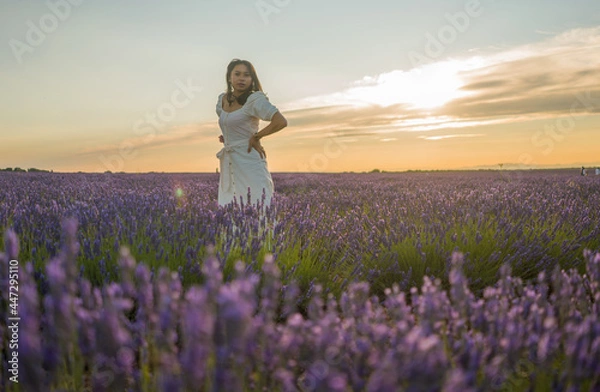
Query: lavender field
[{"x": 425, "y": 281}]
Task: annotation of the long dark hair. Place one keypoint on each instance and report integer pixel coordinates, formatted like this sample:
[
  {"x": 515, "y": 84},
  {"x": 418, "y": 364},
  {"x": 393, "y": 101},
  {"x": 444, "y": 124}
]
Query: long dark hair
[{"x": 255, "y": 86}]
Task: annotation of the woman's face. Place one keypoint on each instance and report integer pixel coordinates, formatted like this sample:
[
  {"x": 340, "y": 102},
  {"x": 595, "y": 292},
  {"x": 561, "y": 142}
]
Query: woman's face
[{"x": 240, "y": 78}]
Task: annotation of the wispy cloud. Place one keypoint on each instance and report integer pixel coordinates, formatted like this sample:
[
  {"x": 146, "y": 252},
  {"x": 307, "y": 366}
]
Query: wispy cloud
[
  {"x": 459, "y": 135},
  {"x": 500, "y": 87},
  {"x": 172, "y": 136},
  {"x": 425, "y": 87},
  {"x": 539, "y": 80},
  {"x": 544, "y": 32}
]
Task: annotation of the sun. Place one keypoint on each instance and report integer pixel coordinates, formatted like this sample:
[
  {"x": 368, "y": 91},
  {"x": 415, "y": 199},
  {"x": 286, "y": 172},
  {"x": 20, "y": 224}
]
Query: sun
[{"x": 426, "y": 87}]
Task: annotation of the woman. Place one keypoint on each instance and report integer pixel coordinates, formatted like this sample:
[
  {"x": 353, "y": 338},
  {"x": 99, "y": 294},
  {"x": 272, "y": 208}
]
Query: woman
[{"x": 243, "y": 158}]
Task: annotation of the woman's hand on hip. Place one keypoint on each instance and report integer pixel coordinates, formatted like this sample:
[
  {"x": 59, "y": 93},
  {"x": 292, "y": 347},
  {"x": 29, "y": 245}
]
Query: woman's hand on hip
[{"x": 254, "y": 142}]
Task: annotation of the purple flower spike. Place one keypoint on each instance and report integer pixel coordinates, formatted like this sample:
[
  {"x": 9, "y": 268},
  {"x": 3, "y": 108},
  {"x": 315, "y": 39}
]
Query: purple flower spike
[{"x": 11, "y": 245}]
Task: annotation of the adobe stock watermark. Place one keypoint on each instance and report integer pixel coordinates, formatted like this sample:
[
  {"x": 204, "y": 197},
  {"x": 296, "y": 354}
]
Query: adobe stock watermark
[
  {"x": 333, "y": 148},
  {"x": 37, "y": 32},
  {"x": 266, "y": 8},
  {"x": 515, "y": 378},
  {"x": 556, "y": 132},
  {"x": 150, "y": 125},
  {"x": 319, "y": 370},
  {"x": 562, "y": 127},
  {"x": 457, "y": 23},
  {"x": 13, "y": 320}
]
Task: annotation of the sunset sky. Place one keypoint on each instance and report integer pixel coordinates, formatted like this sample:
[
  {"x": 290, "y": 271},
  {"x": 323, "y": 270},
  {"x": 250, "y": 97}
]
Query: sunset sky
[{"x": 393, "y": 85}]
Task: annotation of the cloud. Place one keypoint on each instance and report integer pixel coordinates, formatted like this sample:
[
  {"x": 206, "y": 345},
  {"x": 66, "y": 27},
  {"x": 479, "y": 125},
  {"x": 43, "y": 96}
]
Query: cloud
[
  {"x": 540, "y": 80},
  {"x": 442, "y": 137},
  {"x": 176, "y": 135},
  {"x": 556, "y": 76},
  {"x": 535, "y": 81},
  {"x": 544, "y": 32},
  {"x": 424, "y": 87}
]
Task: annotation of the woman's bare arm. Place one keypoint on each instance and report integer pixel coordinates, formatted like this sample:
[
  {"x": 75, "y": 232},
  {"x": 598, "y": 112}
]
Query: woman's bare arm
[{"x": 278, "y": 122}]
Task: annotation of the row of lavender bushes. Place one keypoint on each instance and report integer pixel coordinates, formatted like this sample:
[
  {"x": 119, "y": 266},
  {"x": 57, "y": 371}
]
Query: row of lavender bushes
[
  {"x": 145, "y": 332},
  {"x": 330, "y": 229}
]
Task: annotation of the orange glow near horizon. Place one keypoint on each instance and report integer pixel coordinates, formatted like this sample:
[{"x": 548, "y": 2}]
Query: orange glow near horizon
[{"x": 525, "y": 107}]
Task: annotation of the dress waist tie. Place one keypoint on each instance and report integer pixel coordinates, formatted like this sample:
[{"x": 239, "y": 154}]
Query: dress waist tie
[{"x": 226, "y": 182}]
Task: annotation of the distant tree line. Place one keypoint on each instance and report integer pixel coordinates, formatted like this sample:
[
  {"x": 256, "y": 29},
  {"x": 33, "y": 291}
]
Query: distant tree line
[{"x": 30, "y": 170}]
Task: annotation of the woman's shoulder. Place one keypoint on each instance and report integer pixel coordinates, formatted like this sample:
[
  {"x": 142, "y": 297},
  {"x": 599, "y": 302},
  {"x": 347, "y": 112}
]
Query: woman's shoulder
[
  {"x": 220, "y": 100},
  {"x": 219, "y": 104},
  {"x": 257, "y": 95}
]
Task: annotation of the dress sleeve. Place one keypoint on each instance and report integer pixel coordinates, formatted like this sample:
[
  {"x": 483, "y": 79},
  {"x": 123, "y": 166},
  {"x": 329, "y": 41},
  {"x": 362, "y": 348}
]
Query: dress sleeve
[
  {"x": 220, "y": 104},
  {"x": 259, "y": 106}
]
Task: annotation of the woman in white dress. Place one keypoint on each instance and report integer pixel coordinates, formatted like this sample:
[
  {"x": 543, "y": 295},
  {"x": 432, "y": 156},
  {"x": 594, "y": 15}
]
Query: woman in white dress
[{"x": 243, "y": 164}]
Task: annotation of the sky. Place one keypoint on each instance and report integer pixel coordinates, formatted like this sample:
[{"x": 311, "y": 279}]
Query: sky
[{"x": 390, "y": 85}]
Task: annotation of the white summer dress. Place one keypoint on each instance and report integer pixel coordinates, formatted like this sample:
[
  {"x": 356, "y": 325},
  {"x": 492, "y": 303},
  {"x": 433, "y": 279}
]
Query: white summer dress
[{"x": 241, "y": 169}]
